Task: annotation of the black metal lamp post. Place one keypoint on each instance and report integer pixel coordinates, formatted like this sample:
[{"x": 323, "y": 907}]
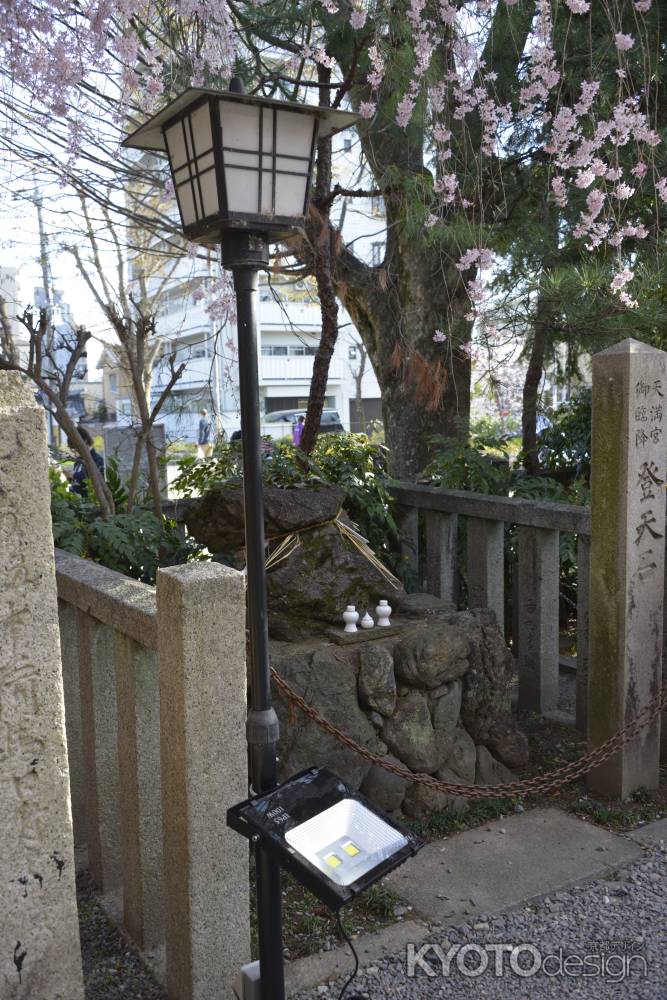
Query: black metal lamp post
[{"x": 241, "y": 168}]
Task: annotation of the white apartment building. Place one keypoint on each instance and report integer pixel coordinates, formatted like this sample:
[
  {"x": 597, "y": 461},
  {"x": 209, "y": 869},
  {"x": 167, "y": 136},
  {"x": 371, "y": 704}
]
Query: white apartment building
[
  {"x": 12, "y": 306},
  {"x": 289, "y": 332}
]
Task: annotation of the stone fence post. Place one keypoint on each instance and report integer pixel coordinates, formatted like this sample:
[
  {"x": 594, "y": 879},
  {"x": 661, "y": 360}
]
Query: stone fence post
[
  {"x": 201, "y": 656},
  {"x": 629, "y": 457},
  {"x": 39, "y": 934}
]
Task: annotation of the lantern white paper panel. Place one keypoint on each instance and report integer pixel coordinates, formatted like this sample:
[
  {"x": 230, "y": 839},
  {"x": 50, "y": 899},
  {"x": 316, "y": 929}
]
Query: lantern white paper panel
[
  {"x": 259, "y": 179},
  {"x": 190, "y": 146}
]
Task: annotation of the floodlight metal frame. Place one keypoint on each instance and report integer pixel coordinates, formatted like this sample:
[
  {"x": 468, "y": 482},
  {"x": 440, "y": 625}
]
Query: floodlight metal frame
[{"x": 268, "y": 817}]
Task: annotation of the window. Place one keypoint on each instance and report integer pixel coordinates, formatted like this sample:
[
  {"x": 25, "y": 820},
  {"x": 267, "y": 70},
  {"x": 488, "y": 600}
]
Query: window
[
  {"x": 352, "y": 353},
  {"x": 279, "y": 350},
  {"x": 377, "y": 254},
  {"x": 124, "y": 410},
  {"x": 376, "y": 205},
  {"x": 347, "y": 144},
  {"x": 113, "y": 383}
]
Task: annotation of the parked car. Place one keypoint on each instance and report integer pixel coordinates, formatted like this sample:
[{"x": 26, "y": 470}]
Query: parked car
[{"x": 279, "y": 422}]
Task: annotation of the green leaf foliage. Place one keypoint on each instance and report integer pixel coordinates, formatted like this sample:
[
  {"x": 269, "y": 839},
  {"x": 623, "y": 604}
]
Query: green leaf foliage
[{"x": 134, "y": 543}]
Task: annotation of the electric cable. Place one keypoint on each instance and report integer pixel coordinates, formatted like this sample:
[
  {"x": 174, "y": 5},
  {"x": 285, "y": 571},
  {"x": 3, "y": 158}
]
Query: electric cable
[{"x": 348, "y": 940}]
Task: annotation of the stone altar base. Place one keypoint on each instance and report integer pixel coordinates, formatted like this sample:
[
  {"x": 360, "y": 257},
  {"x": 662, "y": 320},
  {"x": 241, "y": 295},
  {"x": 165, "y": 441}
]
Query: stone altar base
[{"x": 433, "y": 696}]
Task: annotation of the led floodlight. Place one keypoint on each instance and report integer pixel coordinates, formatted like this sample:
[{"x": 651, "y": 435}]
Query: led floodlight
[{"x": 330, "y": 838}]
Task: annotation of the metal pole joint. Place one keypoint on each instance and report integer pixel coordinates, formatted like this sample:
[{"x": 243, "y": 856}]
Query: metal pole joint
[{"x": 262, "y": 728}]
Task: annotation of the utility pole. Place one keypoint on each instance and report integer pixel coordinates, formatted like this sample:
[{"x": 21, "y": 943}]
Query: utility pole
[{"x": 47, "y": 284}]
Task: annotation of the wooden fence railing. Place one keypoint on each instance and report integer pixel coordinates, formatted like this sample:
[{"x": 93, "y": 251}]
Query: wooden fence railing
[
  {"x": 155, "y": 706},
  {"x": 537, "y": 593}
]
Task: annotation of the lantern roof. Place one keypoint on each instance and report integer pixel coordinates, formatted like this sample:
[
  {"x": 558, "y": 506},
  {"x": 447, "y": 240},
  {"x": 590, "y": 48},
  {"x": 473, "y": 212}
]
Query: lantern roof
[{"x": 150, "y": 135}]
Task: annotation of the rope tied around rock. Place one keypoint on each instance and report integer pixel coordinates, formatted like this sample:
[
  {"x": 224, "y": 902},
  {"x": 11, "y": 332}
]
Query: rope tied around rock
[
  {"x": 290, "y": 541},
  {"x": 539, "y": 783}
]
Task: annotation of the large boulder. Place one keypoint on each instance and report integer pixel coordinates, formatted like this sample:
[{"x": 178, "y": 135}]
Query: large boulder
[
  {"x": 445, "y": 711},
  {"x": 309, "y": 590},
  {"x": 309, "y": 587},
  {"x": 384, "y": 789},
  {"x": 490, "y": 771},
  {"x": 217, "y": 519},
  {"x": 377, "y": 683},
  {"x": 410, "y": 735},
  {"x": 432, "y": 656},
  {"x": 507, "y": 742},
  {"x": 328, "y": 683},
  {"x": 421, "y": 801},
  {"x": 462, "y": 757},
  {"x": 485, "y": 706}
]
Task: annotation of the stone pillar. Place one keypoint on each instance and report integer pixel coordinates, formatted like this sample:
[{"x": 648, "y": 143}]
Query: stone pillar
[
  {"x": 39, "y": 934},
  {"x": 583, "y": 630},
  {"x": 486, "y": 567},
  {"x": 201, "y": 658},
  {"x": 629, "y": 451},
  {"x": 441, "y": 555}
]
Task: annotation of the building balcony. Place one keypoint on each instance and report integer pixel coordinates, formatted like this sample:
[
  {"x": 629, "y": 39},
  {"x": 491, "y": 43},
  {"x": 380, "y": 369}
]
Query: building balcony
[
  {"x": 296, "y": 368},
  {"x": 289, "y": 315},
  {"x": 198, "y": 371}
]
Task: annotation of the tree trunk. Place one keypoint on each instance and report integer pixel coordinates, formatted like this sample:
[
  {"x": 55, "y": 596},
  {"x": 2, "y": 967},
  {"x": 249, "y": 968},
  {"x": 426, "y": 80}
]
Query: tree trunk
[
  {"x": 531, "y": 388},
  {"x": 425, "y": 386},
  {"x": 321, "y": 240},
  {"x": 542, "y": 334}
]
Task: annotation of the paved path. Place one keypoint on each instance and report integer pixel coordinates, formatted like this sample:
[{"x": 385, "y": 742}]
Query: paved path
[{"x": 549, "y": 885}]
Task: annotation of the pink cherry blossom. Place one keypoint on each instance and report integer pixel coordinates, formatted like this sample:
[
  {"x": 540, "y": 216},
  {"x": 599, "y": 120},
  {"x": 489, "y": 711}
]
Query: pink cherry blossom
[
  {"x": 621, "y": 279},
  {"x": 623, "y": 42},
  {"x": 439, "y": 337},
  {"x": 584, "y": 178},
  {"x": 643, "y": 6},
  {"x": 594, "y": 202},
  {"x": 559, "y": 189},
  {"x": 578, "y": 6}
]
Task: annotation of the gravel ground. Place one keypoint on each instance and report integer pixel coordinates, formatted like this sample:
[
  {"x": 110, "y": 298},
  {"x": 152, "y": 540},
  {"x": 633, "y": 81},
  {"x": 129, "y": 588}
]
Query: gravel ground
[
  {"x": 626, "y": 917},
  {"x": 111, "y": 970}
]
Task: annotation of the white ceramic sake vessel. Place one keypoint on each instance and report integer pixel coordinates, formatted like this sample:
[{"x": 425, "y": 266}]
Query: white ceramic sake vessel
[
  {"x": 383, "y": 612},
  {"x": 350, "y": 617},
  {"x": 367, "y": 621}
]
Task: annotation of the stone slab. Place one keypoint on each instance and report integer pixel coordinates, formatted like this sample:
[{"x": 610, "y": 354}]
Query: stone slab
[
  {"x": 39, "y": 937},
  {"x": 307, "y": 972},
  {"x": 487, "y": 871},
  {"x": 650, "y": 833},
  {"x": 342, "y": 638}
]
